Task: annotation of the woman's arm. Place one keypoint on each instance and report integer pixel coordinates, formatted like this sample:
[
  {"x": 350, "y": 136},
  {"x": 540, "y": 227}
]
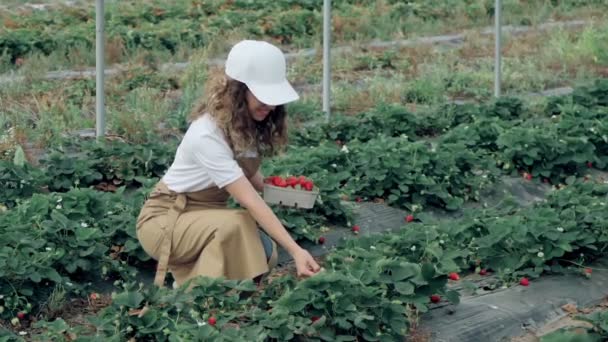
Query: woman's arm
[
  {"x": 243, "y": 191},
  {"x": 258, "y": 181}
]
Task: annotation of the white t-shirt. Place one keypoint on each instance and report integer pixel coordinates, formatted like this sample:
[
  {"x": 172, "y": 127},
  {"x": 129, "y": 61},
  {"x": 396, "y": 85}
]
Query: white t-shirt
[{"x": 203, "y": 159}]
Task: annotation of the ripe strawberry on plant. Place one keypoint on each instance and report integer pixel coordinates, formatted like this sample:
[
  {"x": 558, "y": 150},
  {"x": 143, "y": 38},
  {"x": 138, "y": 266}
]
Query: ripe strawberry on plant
[
  {"x": 524, "y": 282},
  {"x": 322, "y": 240},
  {"x": 314, "y": 318},
  {"x": 302, "y": 180},
  {"x": 356, "y": 229},
  {"x": 454, "y": 276},
  {"x": 409, "y": 218},
  {"x": 435, "y": 298},
  {"x": 483, "y": 272},
  {"x": 21, "y": 315},
  {"x": 527, "y": 176},
  {"x": 212, "y": 321},
  {"x": 588, "y": 272},
  {"x": 94, "y": 296}
]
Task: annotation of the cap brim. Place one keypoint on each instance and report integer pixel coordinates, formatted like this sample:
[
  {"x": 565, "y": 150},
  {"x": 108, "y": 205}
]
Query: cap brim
[{"x": 274, "y": 94}]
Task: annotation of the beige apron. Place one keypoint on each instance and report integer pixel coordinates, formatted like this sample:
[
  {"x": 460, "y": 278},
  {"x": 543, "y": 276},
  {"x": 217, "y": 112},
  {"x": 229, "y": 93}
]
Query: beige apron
[{"x": 195, "y": 234}]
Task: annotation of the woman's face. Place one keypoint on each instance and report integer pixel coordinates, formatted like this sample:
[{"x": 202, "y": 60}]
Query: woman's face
[{"x": 258, "y": 110}]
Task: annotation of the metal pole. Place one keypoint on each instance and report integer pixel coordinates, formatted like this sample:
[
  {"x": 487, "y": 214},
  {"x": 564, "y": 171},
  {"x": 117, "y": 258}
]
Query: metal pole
[
  {"x": 498, "y": 43},
  {"x": 100, "y": 66},
  {"x": 326, "y": 57}
]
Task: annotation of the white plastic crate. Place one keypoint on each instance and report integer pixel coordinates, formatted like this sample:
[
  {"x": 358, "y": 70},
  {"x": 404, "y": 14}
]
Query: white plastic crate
[{"x": 290, "y": 197}]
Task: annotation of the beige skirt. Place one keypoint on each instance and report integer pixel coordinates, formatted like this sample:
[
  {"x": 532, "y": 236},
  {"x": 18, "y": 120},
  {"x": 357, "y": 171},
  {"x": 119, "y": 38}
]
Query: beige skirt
[{"x": 196, "y": 239}]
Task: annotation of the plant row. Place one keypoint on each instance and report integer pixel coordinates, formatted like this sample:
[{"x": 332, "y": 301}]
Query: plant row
[{"x": 390, "y": 278}]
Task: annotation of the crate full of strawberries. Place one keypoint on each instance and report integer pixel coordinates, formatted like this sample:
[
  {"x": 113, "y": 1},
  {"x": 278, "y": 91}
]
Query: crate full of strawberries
[{"x": 292, "y": 191}]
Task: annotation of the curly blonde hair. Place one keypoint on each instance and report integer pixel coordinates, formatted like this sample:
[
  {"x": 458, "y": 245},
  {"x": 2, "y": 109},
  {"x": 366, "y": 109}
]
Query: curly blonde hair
[{"x": 225, "y": 100}]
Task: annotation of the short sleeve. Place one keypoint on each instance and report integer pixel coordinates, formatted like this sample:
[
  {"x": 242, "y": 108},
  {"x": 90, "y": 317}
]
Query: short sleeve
[{"x": 212, "y": 152}]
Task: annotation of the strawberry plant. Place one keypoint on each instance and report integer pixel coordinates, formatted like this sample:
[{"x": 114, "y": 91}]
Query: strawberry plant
[
  {"x": 19, "y": 182},
  {"x": 543, "y": 151},
  {"x": 64, "y": 240}
]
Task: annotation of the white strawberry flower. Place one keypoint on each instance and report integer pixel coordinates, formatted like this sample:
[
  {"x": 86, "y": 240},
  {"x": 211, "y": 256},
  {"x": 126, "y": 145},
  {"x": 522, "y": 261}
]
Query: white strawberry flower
[
  {"x": 413, "y": 249},
  {"x": 23, "y": 333},
  {"x": 344, "y": 149},
  {"x": 200, "y": 324},
  {"x": 84, "y": 225},
  {"x": 441, "y": 242},
  {"x": 334, "y": 165},
  {"x": 58, "y": 206},
  {"x": 372, "y": 247},
  {"x": 59, "y": 200},
  {"x": 540, "y": 254},
  {"x": 560, "y": 229},
  {"x": 110, "y": 213},
  {"x": 49, "y": 249}
]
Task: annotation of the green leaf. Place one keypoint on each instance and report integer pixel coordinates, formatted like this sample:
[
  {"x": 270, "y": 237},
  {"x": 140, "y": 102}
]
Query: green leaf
[
  {"x": 453, "y": 296},
  {"x": 19, "y": 158},
  {"x": 35, "y": 277},
  {"x": 405, "y": 288},
  {"x": 128, "y": 299},
  {"x": 564, "y": 335},
  {"x": 428, "y": 271},
  {"x": 570, "y": 180}
]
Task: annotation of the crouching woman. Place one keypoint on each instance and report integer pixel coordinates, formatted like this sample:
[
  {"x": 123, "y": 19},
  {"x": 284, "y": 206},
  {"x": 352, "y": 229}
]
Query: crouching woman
[{"x": 185, "y": 223}]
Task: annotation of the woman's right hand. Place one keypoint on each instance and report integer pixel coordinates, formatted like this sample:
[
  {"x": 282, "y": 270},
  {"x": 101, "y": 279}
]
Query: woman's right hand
[
  {"x": 306, "y": 265},
  {"x": 243, "y": 191}
]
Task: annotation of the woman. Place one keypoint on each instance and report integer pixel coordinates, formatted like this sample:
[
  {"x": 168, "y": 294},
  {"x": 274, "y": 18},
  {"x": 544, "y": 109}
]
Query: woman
[{"x": 185, "y": 223}]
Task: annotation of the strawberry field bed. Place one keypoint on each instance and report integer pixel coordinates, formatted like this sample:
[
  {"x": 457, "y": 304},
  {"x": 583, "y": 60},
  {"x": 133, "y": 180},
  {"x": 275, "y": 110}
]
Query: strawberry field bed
[{"x": 69, "y": 221}]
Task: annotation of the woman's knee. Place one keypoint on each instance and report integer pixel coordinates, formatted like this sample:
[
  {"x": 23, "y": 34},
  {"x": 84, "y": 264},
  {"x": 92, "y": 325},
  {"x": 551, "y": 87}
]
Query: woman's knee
[{"x": 236, "y": 223}]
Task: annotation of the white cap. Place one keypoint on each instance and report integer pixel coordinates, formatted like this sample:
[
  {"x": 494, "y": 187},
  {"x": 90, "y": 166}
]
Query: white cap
[{"x": 261, "y": 66}]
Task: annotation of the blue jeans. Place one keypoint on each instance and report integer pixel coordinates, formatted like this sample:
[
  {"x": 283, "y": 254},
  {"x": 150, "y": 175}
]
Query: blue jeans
[{"x": 267, "y": 243}]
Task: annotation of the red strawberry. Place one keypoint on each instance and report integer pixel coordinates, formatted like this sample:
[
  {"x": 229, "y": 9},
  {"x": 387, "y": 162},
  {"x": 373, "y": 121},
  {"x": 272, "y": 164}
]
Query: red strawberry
[
  {"x": 314, "y": 319},
  {"x": 588, "y": 270},
  {"x": 359, "y": 199},
  {"x": 276, "y": 180},
  {"x": 524, "y": 282},
  {"x": 281, "y": 183},
  {"x": 308, "y": 185},
  {"x": 212, "y": 321},
  {"x": 483, "y": 271},
  {"x": 291, "y": 181},
  {"x": 589, "y": 164},
  {"x": 94, "y": 296},
  {"x": 21, "y": 315},
  {"x": 322, "y": 240},
  {"x": 302, "y": 180},
  {"x": 527, "y": 176},
  {"x": 356, "y": 229},
  {"x": 435, "y": 298},
  {"x": 454, "y": 276},
  {"x": 409, "y": 218}
]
